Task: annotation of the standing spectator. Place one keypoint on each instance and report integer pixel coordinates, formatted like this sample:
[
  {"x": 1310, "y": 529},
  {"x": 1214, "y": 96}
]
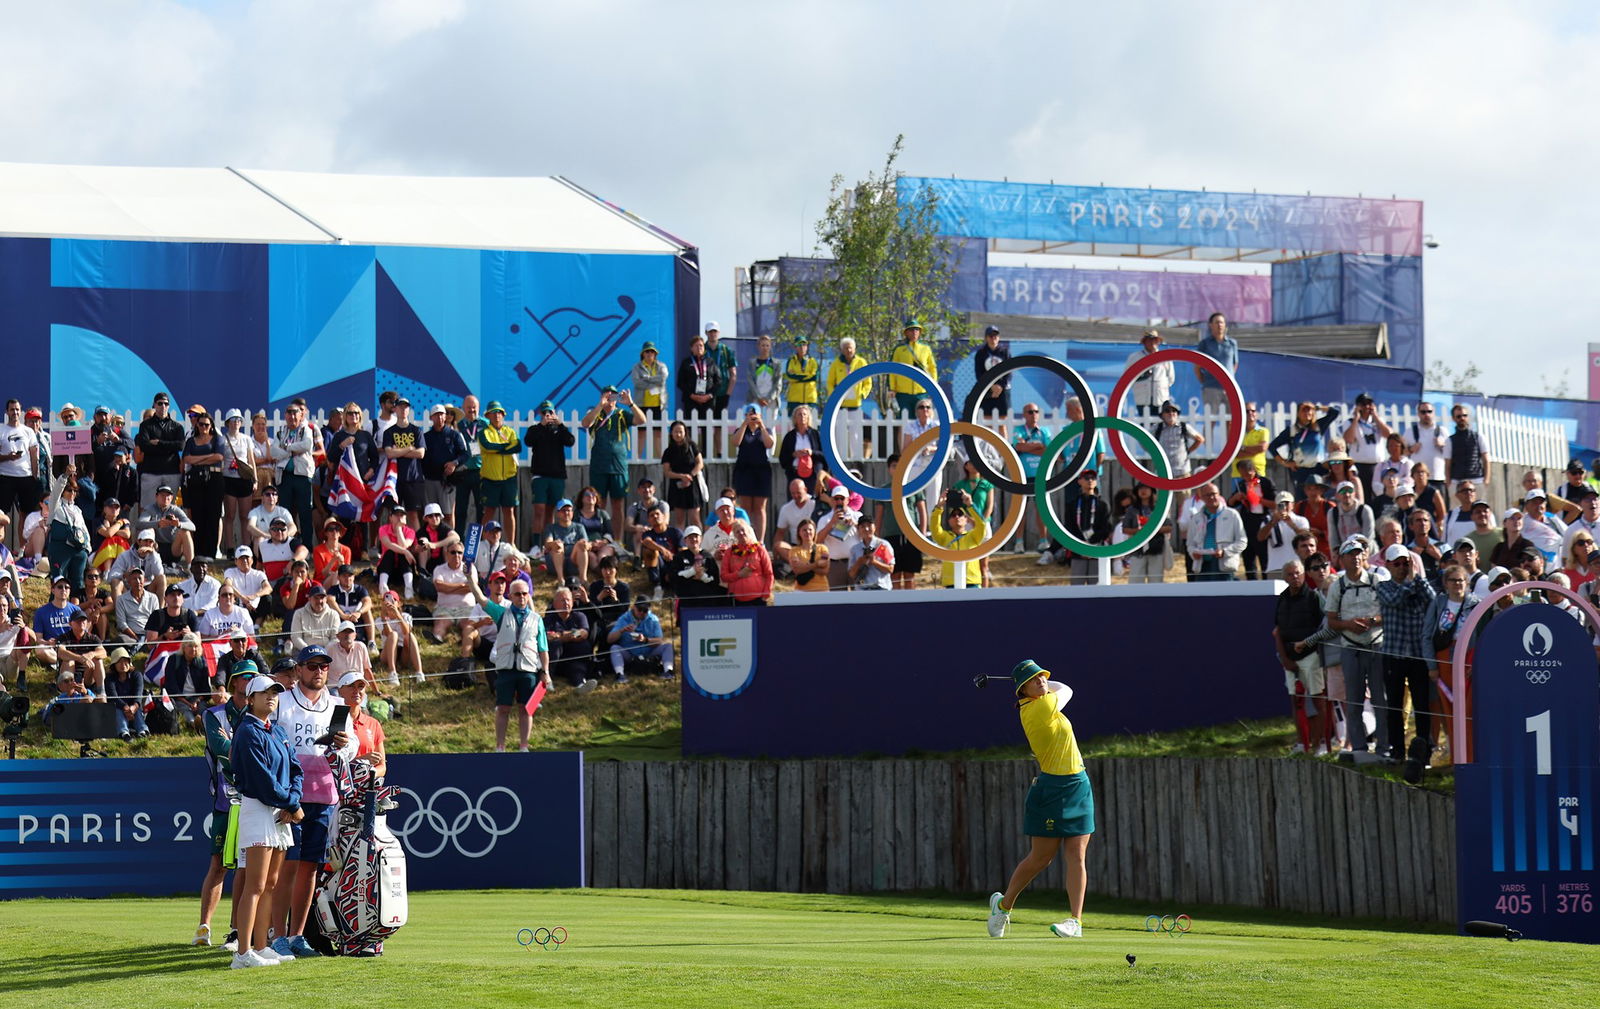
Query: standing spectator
[
  {"x": 682, "y": 466},
  {"x": 1364, "y": 438},
  {"x": 991, "y": 353},
  {"x": 239, "y": 479},
  {"x": 752, "y": 470},
  {"x": 1253, "y": 445},
  {"x": 1149, "y": 564},
  {"x": 1341, "y": 470},
  {"x": 1458, "y": 521},
  {"x": 1153, "y": 387},
  {"x": 1427, "y": 442},
  {"x": 911, "y": 350},
  {"x": 1353, "y": 612},
  {"x": 567, "y": 632},
  {"x": 1588, "y": 518},
  {"x": 521, "y": 657},
  {"x": 839, "y": 371},
  {"x": 1422, "y": 542},
  {"x": 1224, "y": 350},
  {"x": 764, "y": 385},
  {"x": 443, "y": 452},
  {"x": 727, "y": 365},
  {"x": 1089, "y": 519},
  {"x": 801, "y": 447},
  {"x": 871, "y": 559},
  {"x": 1469, "y": 453},
  {"x": 1178, "y": 439},
  {"x": 638, "y": 634},
  {"x": 609, "y": 424},
  {"x": 1306, "y": 440},
  {"x": 638, "y": 518},
  {"x": 111, "y": 537},
  {"x": 747, "y": 568},
  {"x": 808, "y": 559},
  {"x": 203, "y": 491},
  {"x": 402, "y": 442},
  {"x": 694, "y": 573},
  {"x": 68, "y": 546},
  {"x": 801, "y": 374},
  {"x": 650, "y": 385},
  {"x": 1097, "y": 453},
  {"x": 699, "y": 381},
  {"x": 1253, "y": 498},
  {"x": 1396, "y": 465},
  {"x": 19, "y": 468},
  {"x": 1029, "y": 440},
  {"x": 1299, "y": 616},
  {"x": 469, "y": 492},
  {"x": 499, "y": 447},
  {"x": 296, "y": 446},
  {"x": 547, "y": 441},
  {"x": 269, "y": 469},
  {"x": 1216, "y": 538},
  {"x": 1349, "y": 516},
  {"x": 1278, "y": 532},
  {"x": 1404, "y": 600},
  {"x": 1429, "y": 497},
  {"x": 159, "y": 444},
  {"x": 352, "y": 434},
  {"x": 1316, "y": 510},
  {"x": 398, "y": 542}
]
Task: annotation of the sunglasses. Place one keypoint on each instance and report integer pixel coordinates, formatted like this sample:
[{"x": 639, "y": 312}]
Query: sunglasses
[
  {"x": 318, "y": 665},
  {"x": 1030, "y": 411}
]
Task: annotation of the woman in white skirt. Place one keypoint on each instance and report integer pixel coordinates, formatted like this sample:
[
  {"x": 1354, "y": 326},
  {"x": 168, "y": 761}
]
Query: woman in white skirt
[{"x": 268, "y": 778}]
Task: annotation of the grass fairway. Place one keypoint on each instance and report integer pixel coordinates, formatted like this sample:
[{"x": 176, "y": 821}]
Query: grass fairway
[{"x": 719, "y": 949}]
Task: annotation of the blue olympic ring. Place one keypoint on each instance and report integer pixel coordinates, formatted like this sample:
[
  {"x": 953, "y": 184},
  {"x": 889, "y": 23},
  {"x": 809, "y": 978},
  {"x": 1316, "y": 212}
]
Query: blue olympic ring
[
  {"x": 941, "y": 406},
  {"x": 1178, "y": 924},
  {"x": 545, "y": 938}
]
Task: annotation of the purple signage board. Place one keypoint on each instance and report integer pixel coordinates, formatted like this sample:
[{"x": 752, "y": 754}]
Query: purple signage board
[{"x": 1129, "y": 295}]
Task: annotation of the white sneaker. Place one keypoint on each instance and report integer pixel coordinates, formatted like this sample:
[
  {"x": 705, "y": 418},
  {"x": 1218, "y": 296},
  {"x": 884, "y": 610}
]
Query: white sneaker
[
  {"x": 232, "y": 945},
  {"x": 1072, "y": 928},
  {"x": 657, "y": 594},
  {"x": 250, "y": 958},
  {"x": 273, "y": 957},
  {"x": 202, "y": 936},
  {"x": 586, "y": 686},
  {"x": 999, "y": 917},
  {"x": 419, "y": 676},
  {"x": 373, "y": 650},
  {"x": 393, "y": 680},
  {"x": 1043, "y": 547},
  {"x": 1044, "y": 559},
  {"x": 1321, "y": 751},
  {"x": 1019, "y": 547}
]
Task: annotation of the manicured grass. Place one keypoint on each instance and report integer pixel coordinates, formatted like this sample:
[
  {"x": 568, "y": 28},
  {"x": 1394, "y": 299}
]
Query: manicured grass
[{"x": 720, "y": 949}]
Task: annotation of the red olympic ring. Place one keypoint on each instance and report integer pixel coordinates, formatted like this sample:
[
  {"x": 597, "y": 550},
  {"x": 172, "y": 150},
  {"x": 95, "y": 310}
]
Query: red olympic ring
[{"x": 1225, "y": 453}]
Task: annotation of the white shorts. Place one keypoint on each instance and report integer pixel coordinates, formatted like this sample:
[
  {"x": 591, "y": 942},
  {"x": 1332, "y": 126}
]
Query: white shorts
[
  {"x": 468, "y": 612},
  {"x": 1311, "y": 674},
  {"x": 258, "y": 825}
]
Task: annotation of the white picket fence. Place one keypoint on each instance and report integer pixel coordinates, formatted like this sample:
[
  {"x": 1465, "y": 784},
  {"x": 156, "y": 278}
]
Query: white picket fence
[{"x": 1512, "y": 438}]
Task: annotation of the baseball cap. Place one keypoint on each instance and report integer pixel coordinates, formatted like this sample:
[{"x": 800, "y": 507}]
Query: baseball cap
[
  {"x": 750, "y": 408},
  {"x": 58, "y": 579},
  {"x": 712, "y": 327},
  {"x": 1284, "y": 497},
  {"x": 350, "y": 679},
  {"x": 1496, "y": 572},
  {"x": 120, "y": 450},
  {"x": 238, "y": 635},
  {"x": 1573, "y": 465},
  {"x": 262, "y": 684},
  {"x": 609, "y": 388},
  {"x": 492, "y": 526},
  {"x": 310, "y": 652},
  {"x": 402, "y": 401},
  {"x": 1168, "y": 406},
  {"x": 164, "y": 489},
  {"x": 102, "y": 409},
  {"x": 160, "y": 397},
  {"x": 242, "y": 551},
  {"x": 345, "y": 569},
  {"x": 279, "y": 524},
  {"x": 270, "y": 489},
  {"x": 1344, "y": 485},
  {"x": 173, "y": 590},
  {"x": 546, "y": 405},
  {"x": 839, "y": 490},
  {"x": 432, "y": 509},
  {"x": 1364, "y": 397},
  {"x": 565, "y": 502},
  {"x": 722, "y": 501},
  {"x": 1355, "y": 544},
  {"x": 147, "y": 534},
  {"x": 435, "y": 409},
  {"x": 496, "y": 576},
  {"x": 692, "y": 531},
  {"x": 244, "y": 667},
  {"x": 1465, "y": 543},
  {"x": 1402, "y": 487},
  {"x": 1480, "y": 503},
  {"x": 283, "y": 665},
  {"x": 991, "y": 331},
  {"x": 1536, "y": 492},
  {"x": 79, "y": 615},
  {"x": 1395, "y": 552},
  {"x": 317, "y": 590},
  {"x": 345, "y": 625},
  {"x": 33, "y": 411},
  {"x": 1505, "y": 516},
  {"x": 641, "y": 602}
]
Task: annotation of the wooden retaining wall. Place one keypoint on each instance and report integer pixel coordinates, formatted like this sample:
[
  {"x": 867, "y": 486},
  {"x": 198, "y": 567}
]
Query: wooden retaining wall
[{"x": 1298, "y": 835}]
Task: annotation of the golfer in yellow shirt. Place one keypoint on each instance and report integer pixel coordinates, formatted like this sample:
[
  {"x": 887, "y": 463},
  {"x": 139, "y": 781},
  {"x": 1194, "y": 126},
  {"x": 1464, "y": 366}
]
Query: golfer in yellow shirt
[{"x": 1060, "y": 808}]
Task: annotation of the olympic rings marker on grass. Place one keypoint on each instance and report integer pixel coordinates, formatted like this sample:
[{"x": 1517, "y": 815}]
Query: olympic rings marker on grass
[
  {"x": 1225, "y": 453},
  {"x": 941, "y": 406},
  {"x": 1170, "y": 924},
  {"x": 997, "y": 537},
  {"x": 1047, "y": 506},
  {"x": 1074, "y": 381},
  {"x": 545, "y": 938}
]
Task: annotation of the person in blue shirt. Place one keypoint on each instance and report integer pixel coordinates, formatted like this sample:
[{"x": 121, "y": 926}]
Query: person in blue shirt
[
  {"x": 71, "y": 692},
  {"x": 53, "y": 620},
  {"x": 1224, "y": 350},
  {"x": 1029, "y": 440},
  {"x": 638, "y": 633},
  {"x": 267, "y": 776}
]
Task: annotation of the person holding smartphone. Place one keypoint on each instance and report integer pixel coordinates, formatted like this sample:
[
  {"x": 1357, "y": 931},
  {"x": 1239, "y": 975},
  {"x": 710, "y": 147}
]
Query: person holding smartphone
[
  {"x": 752, "y": 470},
  {"x": 268, "y": 778}
]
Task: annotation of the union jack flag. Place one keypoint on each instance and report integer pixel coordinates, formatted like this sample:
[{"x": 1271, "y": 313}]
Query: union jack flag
[{"x": 353, "y": 499}]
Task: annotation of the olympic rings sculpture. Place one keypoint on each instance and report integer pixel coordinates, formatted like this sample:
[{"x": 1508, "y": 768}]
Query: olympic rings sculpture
[
  {"x": 545, "y": 938},
  {"x": 1168, "y": 923},
  {"x": 1042, "y": 484},
  {"x": 472, "y": 818}
]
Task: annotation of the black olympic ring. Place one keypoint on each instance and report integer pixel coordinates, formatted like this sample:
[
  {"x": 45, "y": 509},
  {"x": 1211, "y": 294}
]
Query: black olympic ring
[
  {"x": 1074, "y": 381},
  {"x": 1170, "y": 924},
  {"x": 544, "y": 937}
]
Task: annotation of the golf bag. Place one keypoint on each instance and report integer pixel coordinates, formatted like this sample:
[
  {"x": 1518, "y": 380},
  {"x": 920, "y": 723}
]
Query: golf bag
[{"x": 360, "y": 898}]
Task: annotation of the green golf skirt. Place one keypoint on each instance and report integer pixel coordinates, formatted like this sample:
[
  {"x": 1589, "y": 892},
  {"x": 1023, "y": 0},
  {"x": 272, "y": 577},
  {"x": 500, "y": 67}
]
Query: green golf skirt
[{"x": 1059, "y": 805}]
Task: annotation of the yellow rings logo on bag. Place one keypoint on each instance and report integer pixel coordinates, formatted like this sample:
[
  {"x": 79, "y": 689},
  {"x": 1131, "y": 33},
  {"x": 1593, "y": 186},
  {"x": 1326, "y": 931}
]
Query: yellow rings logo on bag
[{"x": 1079, "y": 436}]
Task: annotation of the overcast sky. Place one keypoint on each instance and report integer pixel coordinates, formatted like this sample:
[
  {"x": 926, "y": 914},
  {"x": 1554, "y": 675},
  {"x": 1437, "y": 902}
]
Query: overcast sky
[{"x": 723, "y": 122}]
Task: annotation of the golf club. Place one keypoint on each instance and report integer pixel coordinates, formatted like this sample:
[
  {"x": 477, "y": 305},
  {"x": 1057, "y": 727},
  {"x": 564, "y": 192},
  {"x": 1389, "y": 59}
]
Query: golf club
[{"x": 980, "y": 681}]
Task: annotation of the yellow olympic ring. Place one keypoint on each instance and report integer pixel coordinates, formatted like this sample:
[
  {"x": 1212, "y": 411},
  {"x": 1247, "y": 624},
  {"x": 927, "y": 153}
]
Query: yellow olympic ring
[{"x": 997, "y": 537}]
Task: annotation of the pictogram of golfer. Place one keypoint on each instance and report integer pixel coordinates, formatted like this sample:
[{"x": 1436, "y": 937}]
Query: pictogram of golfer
[{"x": 1059, "y": 812}]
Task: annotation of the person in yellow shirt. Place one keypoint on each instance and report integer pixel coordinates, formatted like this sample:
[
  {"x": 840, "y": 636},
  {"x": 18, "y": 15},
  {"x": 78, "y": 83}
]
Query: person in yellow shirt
[
  {"x": 915, "y": 353},
  {"x": 500, "y": 446},
  {"x": 961, "y": 530},
  {"x": 1060, "y": 807},
  {"x": 839, "y": 370},
  {"x": 801, "y": 376},
  {"x": 1254, "y": 445}
]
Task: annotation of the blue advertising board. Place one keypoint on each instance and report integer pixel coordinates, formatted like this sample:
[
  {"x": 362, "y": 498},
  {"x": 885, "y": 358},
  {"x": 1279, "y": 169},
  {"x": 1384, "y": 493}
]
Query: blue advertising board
[
  {"x": 1525, "y": 810},
  {"x": 92, "y": 828}
]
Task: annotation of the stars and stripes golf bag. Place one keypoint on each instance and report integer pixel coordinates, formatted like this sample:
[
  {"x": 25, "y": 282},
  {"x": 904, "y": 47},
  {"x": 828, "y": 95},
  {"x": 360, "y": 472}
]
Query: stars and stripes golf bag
[{"x": 361, "y": 889}]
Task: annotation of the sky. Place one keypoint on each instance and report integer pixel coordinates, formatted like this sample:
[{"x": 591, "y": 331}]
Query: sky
[{"x": 724, "y": 122}]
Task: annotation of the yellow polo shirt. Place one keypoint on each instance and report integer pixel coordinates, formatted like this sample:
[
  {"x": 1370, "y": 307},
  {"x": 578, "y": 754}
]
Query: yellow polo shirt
[
  {"x": 838, "y": 371},
  {"x": 497, "y": 465},
  {"x": 918, "y": 356},
  {"x": 1050, "y": 734}
]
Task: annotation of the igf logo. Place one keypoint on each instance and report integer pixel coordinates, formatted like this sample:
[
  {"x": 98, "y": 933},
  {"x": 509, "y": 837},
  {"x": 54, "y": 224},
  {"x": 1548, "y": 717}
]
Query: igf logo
[{"x": 712, "y": 648}]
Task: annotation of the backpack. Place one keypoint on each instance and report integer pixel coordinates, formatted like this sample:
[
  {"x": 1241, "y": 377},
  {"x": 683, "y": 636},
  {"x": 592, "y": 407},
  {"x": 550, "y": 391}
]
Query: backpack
[{"x": 461, "y": 674}]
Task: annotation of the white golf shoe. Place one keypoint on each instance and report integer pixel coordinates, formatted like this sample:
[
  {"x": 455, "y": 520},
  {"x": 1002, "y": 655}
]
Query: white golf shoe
[
  {"x": 999, "y": 918},
  {"x": 1072, "y": 928}
]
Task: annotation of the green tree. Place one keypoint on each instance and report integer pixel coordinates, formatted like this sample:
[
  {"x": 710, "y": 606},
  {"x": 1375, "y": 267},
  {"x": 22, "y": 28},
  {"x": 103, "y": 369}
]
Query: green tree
[
  {"x": 887, "y": 263},
  {"x": 1443, "y": 377}
]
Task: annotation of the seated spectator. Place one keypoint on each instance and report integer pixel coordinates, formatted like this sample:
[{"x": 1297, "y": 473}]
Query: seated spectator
[
  {"x": 8, "y": 589},
  {"x": 315, "y": 623},
  {"x": 292, "y": 591},
  {"x": 259, "y": 522},
  {"x": 871, "y": 559},
  {"x": 111, "y": 535},
  {"x": 434, "y": 538},
  {"x": 657, "y": 545},
  {"x": 98, "y": 602},
  {"x": 172, "y": 621},
  {"x": 1458, "y": 521},
  {"x": 250, "y": 585},
  {"x": 639, "y": 512},
  {"x": 226, "y": 617},
  {"x": 808, "y": 559},
  {"x": 747, "y": 568},
  {"x": 720, "y": 534},
  {"x": 1465, "y": 556},
  {"x": 16, "y": 643},
  {"x": 637, "y": 634},
  {"x": 200, "y": 589},
  {"x": 596, "y": 522},
  {"x": 187, "y": 680},
  {"x": 455, "y": 607},
  {"x": 399, "y": 640},
  {"x": 69, "y": 691},
  {"x": 348, "y": 655},
  {"x": 492, "y": 550},
  {"x": 1429, "y": 497},
  {"x": 352, "y": 602},
  {"x": 1397, "y": 464},
  {"x": 330, "y": 553},
  {"x": 515, "y": 569},
  {"x": 52, "y": 620},
  {"x": 566, "y": 546},
  {"x": 144, "y": 557},
  {"x": 398, "y": 542},
  {"x": 570, "y": 644},
  {"x": 278, "y": 551},
  {"x": 239, "y": 650},
  {"x": 694, "y": 573},
  {"x": 173, "y": 528},
  {"x": 1281, "y": 532},
  {"x": 81, "y": 652},
  {"x": 493, "y": 602},
  {"x": 1588, "y": 518},
  {"x": 1349, "y": 517},
  {"x": 608, "y": 597},
  {"x": 125, "y": 693},
  {"x": 36, "y": 532}
]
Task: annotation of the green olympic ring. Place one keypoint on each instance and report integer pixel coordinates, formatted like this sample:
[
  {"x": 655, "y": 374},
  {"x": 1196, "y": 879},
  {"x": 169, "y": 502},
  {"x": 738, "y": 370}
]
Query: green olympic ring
[{"x": 1047, "y": 511}]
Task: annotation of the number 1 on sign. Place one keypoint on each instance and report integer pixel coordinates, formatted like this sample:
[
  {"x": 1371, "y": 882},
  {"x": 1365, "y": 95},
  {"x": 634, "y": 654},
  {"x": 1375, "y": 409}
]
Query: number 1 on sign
[{"x": 1539, "y": 725}]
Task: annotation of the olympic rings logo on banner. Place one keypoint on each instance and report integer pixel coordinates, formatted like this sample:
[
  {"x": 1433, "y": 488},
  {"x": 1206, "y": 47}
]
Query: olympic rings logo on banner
[
  {"x": 1042, "y": 484},
  {"x": 473, "y": 815},
  {"x": 1168, "y": 923},
  {"x": 544, "y": 938}
]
